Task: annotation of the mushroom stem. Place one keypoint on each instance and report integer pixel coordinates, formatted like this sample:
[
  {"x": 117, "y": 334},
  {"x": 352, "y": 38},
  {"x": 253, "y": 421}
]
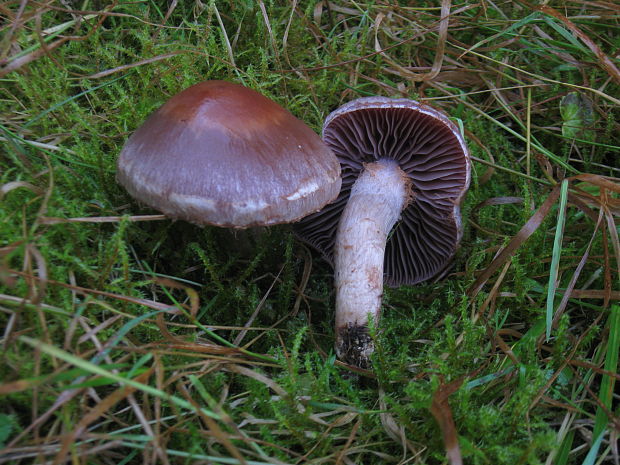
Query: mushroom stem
[{"x": 377, "y": 198}]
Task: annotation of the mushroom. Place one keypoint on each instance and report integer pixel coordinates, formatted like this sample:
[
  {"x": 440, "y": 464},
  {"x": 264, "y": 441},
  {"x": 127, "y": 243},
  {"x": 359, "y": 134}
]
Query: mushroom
[
  {"x": 405, "y": 170},
  {"x": 222, "y": 154}
]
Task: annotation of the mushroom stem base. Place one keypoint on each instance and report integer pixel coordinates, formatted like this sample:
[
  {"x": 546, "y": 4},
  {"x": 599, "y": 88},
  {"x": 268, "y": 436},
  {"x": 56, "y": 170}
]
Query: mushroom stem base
[
  {"x": 354, "y": 345},
  {"x": 377, "y": 198}
]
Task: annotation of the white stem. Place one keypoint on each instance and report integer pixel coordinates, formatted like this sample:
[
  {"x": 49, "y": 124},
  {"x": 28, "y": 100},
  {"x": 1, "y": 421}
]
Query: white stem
[{"x": 376, "y": 201}]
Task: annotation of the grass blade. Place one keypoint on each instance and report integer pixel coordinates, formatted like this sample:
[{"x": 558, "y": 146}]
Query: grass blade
[
  {"x": 601, "y": 418},
  {"x": 98, "y": 370},
  {"x": 555, "y": 256}
]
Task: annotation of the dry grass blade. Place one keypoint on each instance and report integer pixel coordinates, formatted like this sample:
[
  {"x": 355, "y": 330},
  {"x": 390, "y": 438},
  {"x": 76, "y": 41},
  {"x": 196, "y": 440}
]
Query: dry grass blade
[
  {"x": 526, "y": 231},
  {"x": 595, "y": 294},
  {"x": 16, "y": 22},
  {"x": 347, "y": 445},
  {"x": 441, "y": 40},
  {"x": 194, "y": 299},
  {"x": 231, "y": 55},
  {"x": 36, "y": 453},
  {"x": 393, "y": 429},
  {"x": 605, "y": 62},
  {"x": 17, "y": 386},
  {"x": 272, "y": 39},
  {"x": 610, "y": 206},
  {"x": 158, "y": 450},
  {"x": 99, "y": 410},
  {"x": 64, "y": 398},
  {"x": 9, "y": 186},
  {"x": 118, "y": 69},
  {"x": 45, "y": 49},
  {"x": 305, "y": 277},
  {"x": 20, "y": 62},
  {"x": 271, "y": 384},
  {"x": 214, "y": 428},
  {"x": 493, "y": 295},
  {"x": 86, "y": 291},
  {"x": 569, "y": 291},
  {"x": 101, "y": 219},
  {"x": 92, "y": 332},
  {"x": 258, "y": 308},
  {"x": 440, "y": 409},
  {"x": 599, "y": 181},
  {"x": 98, "y": 370},
  {"x": 498, "y": 201},
  {"x": 37, "y": 285},
  {"x": 345, "y": 63}
]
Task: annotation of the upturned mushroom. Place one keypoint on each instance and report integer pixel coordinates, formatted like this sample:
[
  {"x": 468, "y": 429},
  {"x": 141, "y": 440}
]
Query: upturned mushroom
[
  {"x": 405, "y": 170},
  {"x": 222, "y": 154}
]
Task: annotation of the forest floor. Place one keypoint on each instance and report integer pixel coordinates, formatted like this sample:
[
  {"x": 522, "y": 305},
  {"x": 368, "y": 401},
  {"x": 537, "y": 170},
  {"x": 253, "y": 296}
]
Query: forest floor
[{"x": 131, "y": 341}]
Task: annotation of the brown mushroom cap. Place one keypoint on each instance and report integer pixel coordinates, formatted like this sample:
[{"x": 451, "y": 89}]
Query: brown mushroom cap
[
  {"x": 220, "y": 153},
  {"x": 431, "y": 151}
]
